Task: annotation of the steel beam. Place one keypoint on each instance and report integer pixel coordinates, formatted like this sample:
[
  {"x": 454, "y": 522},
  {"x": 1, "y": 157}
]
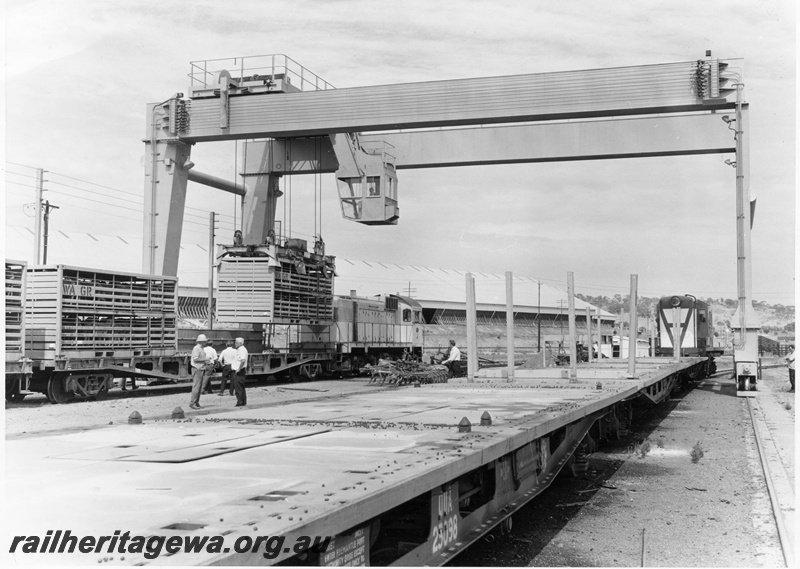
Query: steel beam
[
  {"x": 164, "y": 202},
  {"x": 562, "y": 141},
  {"x": 510, "y": 323},
  {"x": 259, "y": 208},
  {"x": 573, "y": 348},
  {"x": 218, "y": 183},
  {"x": 745, "y": 319},
  {"x": 632, "y": 331},
  {"x": 648, "y": 89},
  {"x": 509, "y": 144}
]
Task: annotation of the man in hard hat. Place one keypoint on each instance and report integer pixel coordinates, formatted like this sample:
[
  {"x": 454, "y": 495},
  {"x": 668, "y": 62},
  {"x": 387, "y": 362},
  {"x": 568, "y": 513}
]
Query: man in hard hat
[{"x": 199, "y": 361}]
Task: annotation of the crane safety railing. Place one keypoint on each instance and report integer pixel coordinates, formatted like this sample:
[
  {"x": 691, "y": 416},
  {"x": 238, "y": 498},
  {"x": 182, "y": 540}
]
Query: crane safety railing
[{"x": 204, "y": 73}]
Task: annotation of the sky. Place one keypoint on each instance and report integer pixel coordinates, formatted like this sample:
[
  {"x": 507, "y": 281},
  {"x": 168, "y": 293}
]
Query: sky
[{"x": 79, "y": 74}]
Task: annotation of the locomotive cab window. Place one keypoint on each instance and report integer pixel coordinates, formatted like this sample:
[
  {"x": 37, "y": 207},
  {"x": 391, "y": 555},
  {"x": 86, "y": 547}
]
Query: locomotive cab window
[{"x": 407, "y": 315}]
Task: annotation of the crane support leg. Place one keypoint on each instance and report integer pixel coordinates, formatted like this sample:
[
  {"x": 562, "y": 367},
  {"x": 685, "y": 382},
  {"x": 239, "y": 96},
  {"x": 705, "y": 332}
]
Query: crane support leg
[
  {"x": 164, "y": 201},
  {"x": 266, "y": 161},
  {"x": 260, "y": 205},
  {"x": 745, "y": 320}
]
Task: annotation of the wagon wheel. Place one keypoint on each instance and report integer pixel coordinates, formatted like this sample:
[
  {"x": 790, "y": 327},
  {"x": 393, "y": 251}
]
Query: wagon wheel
[
  {"x": 15, "y": 396},
  {"x": 294, "y": 374},
  {"x": 12, "y": 392},
  {"x": 56, "y": 392}
]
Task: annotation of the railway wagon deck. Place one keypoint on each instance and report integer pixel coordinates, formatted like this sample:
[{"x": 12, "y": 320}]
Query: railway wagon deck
[{"x": 386, "y": 472}]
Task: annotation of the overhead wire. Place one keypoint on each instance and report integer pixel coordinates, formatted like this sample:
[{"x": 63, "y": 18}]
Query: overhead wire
[
  {"x": 119, "y": 206},
  {"x": 20, "y": 184},
  {"x": 23, "y": 175},
  {"x": 188, "y": 215},
  {"x": 51, "y": 172}
]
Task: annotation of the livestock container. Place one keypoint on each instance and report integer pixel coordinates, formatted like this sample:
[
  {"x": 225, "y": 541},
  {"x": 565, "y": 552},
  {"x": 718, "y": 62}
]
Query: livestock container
[
  {"x": 291, "y": 287},
  {"x": 86, "y": 313}
]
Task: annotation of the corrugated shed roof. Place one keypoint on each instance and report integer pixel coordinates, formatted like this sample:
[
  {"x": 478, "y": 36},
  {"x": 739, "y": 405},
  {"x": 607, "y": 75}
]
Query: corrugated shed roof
[
  {"x": 432, "y": 286},
  {"x": 111, "y": 252},
  {"x": 429, "y": 286}
]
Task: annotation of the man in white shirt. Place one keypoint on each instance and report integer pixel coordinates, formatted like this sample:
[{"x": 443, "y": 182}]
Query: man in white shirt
[
  {"x": 226, "y": 359},
  {"x": 211, "y": 354},
  {"x": 239, "y": 366},
  {"x": 453, "y": 358},
  {"x": 198, "y": 362}
]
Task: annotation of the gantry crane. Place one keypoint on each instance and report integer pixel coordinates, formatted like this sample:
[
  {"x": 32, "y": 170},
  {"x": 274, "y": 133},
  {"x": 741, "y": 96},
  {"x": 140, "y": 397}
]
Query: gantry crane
[{"x": 366, "y": 134}]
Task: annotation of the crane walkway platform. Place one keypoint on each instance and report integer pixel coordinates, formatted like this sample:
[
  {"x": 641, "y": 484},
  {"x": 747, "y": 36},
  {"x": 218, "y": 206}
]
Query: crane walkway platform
[{"x": 387, "y": 474}]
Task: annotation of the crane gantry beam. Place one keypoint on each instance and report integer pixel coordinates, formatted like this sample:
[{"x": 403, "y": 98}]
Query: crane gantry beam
[
  {"x": 622, "y": 91},
  {"x": 651, "y": 110},
  {"x": 639, "y": 137}
]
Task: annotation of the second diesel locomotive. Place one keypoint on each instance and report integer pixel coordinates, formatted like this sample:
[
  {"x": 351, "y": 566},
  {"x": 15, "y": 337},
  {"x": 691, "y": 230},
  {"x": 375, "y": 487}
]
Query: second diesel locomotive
[{"x": 691, "y": 320}]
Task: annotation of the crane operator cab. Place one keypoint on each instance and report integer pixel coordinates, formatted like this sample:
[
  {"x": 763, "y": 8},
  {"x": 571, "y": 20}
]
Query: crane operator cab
[
  {"x": 367, "y": 182},
  {"x": 371, "y": 200}
]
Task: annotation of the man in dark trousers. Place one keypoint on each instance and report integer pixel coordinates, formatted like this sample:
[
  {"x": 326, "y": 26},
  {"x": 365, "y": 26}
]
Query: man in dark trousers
[
  {"x": 199, "y": 360},
  {"x": 226, "y": 359},
  {"x": 453, "y": 361},
  {"x": 239, "y": 367}
]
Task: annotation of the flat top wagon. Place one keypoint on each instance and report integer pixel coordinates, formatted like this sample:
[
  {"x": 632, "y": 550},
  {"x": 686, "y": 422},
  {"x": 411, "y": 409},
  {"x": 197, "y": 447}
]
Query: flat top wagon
[{"x": 393, "y": 476}]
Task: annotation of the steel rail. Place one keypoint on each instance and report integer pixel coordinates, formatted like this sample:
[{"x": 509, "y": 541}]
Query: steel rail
[{"x": 783, "y": 536}]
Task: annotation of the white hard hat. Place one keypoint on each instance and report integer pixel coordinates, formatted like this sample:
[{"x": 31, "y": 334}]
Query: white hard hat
[{"x": 202, "y": 338}]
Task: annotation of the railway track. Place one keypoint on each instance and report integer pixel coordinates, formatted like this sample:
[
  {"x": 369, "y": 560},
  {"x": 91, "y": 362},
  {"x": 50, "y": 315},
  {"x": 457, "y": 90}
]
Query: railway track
[
  {"x": 624, "y": 512},
  {"x": 780, "y": 490},
  {"x": 142, "y": 391}
]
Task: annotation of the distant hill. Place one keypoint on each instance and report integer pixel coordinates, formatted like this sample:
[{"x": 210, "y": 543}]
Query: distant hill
[{"x": 775, "y": 318}]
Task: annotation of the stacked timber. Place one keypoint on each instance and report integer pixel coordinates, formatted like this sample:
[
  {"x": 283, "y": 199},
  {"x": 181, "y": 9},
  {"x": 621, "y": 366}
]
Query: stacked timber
[
  {"x": 400, "y": 372},
  {"x": 79, "y": 312}
]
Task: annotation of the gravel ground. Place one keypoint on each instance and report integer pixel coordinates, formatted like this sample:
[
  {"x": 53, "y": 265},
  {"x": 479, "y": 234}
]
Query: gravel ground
[
  {"x": 662, "y": 509},
  {"x": 35, "y": 414}
]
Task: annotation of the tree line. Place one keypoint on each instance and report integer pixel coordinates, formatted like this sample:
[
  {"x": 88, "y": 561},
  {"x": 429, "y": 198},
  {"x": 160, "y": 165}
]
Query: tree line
[{"x": 646, "y": 307}]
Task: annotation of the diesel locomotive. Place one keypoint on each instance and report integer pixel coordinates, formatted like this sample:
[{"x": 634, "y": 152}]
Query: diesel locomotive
[{"x": 690, "y": 321}]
